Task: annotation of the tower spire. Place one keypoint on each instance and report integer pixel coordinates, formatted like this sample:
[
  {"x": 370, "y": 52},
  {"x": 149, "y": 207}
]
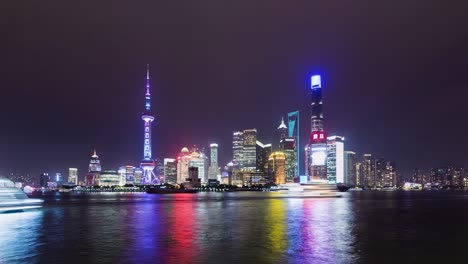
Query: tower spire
[
  {"x": 147, "y": 80},
  {"x": 147, "y": 95},
  {"x": 94, "y": 154},
  {"x": 147, "y": 164},
  {"x": 282, "y": 125}
]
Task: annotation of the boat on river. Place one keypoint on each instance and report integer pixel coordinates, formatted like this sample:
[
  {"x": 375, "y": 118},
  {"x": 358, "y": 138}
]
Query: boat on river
[{"x": 13, "y": 199}]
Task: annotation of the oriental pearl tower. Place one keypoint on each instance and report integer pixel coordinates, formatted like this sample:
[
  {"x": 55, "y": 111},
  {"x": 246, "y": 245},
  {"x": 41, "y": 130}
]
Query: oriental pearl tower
[{"x": 147, "y": 163}]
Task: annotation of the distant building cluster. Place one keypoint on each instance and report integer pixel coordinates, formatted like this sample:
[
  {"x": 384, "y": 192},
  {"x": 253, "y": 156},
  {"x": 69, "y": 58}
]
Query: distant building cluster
[{"x": 253, "y": 162}]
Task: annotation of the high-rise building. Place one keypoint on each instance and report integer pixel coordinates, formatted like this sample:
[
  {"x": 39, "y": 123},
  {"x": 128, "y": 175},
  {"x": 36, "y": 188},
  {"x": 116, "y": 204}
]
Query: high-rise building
[
  {"x": 262, "y": 152},
  {"x": 44, "y": 179},
  {"x": 293, "y": 132},
  {"x": 138, "y": 176},
  {"x": 390, "y": 177},
  {"x": 237, "y": 146},
  {"x": 94, "y": 170},
  {"x": 350, "y": 169},
  {"x": 147, "y": 164},
  {"x": 129, "y": 174},
  {"x": 283, "y": 133},
  {"x": 316, "y": 150},
  {"x": 194, "y": 177},
  {"x": 94, "y": 163},
  {"x": 277, "y": 167},
  {"x": 359, "y": 174},
  {"x": 288, "y": 147},
  {"x": 249, "y": 155},
  {"x": 73, "y": 176},
  {"x": 183, "y": 165},
  {"x": 335, "y": 159},
  {"x": 379, "y": 173},
  {"x": 214, "y": 170},
  {"x": 366, "y": 171},
  {"x": 170, "y": 171},
  {"x": 200, "y": 161}
]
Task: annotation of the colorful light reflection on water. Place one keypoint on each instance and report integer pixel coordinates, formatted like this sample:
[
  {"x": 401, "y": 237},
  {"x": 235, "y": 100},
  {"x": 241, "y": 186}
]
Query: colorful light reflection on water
[{"x": 229, "y": 228}]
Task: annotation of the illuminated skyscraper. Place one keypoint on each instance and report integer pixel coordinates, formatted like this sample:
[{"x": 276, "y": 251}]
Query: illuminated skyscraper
[
  {"x": 390, "y": 178},
  {"x": 277, "y": 167},
  {"x": 214, "y": 168},
  {"x": 249, "y": 154},
  {"x": 94, "y": 163},
  {"x": 73, "y": 176},
  {"x": 316, "y": 150},
  {"x": 263, "y": 151},
  {"x": 293, "y": 132},
  {"x": 147, "y": 164},
  {"x": 170, "y": 171},
  {"x": 367, "y": 168},
  {"x": 288, "y": 147},
  {"x": 350, "y": 168},
  {"x": 379, "y": 173},
  {"x": 282, "y": 130},
  {"x": 335, "y": 159},
  {"x": 94, "y": 170},
  {"x": 200, "y": 161},
  {"x": 183, "y": 165},
  {"x": 237, "y": 145}
]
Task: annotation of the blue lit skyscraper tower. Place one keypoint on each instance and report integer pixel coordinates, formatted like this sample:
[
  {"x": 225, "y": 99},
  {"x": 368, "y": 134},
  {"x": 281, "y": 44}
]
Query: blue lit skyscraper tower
[
  {"x": 316, "y": 150},
  {"x": 147, "y": 164}
]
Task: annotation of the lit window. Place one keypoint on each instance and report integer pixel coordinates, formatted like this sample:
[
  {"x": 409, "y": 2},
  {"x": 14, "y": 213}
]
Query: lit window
[
  {"x": 321, "y": 136},
  {"x": 315, "y": 136}
]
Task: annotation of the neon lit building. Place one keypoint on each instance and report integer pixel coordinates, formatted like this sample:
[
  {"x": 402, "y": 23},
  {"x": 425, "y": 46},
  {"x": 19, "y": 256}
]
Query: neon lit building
[
  {"x": 316, "y": 150},
  {"x": 335, "y": 159},
  {"x": 147, "y": 164}
]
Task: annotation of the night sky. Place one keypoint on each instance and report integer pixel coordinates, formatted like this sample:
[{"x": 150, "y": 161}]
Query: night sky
[{"x": 72, "y": 77}]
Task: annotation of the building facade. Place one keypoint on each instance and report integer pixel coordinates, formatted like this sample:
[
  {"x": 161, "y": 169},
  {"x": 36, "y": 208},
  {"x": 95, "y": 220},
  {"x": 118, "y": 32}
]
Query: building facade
[
  {"x": 350, "y": 169},
  {"x": 335, "y": 159},
  {"x": 170, "y": 171},
  {"x": 293, "y": 132},
  {"x": 277, "y": 167},
  {"x": 94, "y": 170},
  {"x": 183, "y": 165},
  {"x": 73, "y": 176},
  {"x": 214, "y": 170}
]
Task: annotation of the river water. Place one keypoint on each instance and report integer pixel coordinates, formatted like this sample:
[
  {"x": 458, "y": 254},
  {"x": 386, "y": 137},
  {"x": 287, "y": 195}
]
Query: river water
[{"x": 360, "y": 227}]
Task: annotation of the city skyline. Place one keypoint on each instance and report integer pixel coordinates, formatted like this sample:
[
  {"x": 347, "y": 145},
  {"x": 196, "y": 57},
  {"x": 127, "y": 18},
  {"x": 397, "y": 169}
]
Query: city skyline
[{"x": 383, "y": 89}]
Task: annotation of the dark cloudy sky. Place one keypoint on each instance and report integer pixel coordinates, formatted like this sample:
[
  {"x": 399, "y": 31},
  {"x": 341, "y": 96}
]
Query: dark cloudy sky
[{"x": 395, "y": 76}]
